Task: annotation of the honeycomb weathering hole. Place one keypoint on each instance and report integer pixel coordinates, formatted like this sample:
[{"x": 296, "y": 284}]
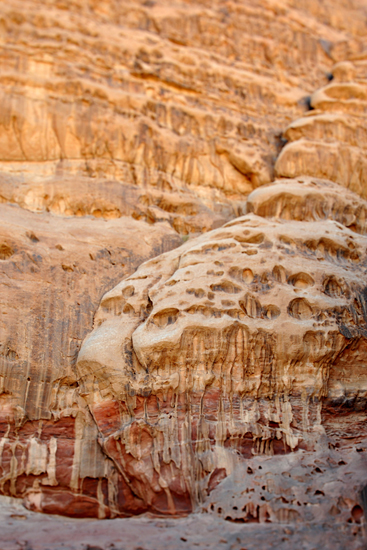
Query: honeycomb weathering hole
[
  {"x": 279, "y": 274},
  {"x": 225, "y": 286},
  {"x": 128, "y": 291},
  {"x": 357, "y": 513},
  {"x": 114, "y": 305},
  {"x": 198, "y": 292},
  {"x": 332, "y": 287},
  {"x": 300, "y": 309},
  {"x": 244, "y": 275},
  {"x": 251, "y": 306},
  {"x": 301, "y": 280},
  {"x": 166, "y": 317},
  {"x": 254, "y": 239},
  {"x": 272, "y": 312}
]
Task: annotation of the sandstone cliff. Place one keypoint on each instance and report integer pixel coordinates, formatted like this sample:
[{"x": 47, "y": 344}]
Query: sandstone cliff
[{"x": 237, "y": 129}]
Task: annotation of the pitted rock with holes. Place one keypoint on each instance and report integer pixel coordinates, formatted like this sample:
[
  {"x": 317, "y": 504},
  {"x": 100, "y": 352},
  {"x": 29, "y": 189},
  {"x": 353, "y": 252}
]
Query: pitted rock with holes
[{"x": 224, "y": 346}]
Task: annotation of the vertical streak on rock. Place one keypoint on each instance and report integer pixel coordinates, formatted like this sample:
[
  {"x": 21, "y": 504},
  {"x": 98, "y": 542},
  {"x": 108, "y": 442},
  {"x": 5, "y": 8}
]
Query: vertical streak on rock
[{"x": 51, "y": 466}]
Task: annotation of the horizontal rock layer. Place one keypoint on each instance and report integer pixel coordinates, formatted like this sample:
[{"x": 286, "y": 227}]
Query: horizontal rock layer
[
  {"x": 330, "y": 142},
  {"x": 159, "y": 96}
]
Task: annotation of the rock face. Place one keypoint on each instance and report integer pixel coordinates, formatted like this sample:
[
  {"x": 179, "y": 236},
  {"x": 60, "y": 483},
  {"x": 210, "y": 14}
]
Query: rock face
[
  {"x": 180, "y": 105},
  {"x": 123, "y": 127},
  {"x": 233, "y": 342},
  {"x": 45, "y": 266},
  {"x": 309, "y": 199},
  {"x": 331, "y": 141},
  {"x": 53, "y": 272}
]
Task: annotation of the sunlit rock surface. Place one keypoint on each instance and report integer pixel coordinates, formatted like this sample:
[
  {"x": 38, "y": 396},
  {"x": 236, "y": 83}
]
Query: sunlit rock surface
[
  {"x": 173, "y": 102},
  {"x": 246, "y": 340},
  {"x": 331, "y": 141},
  {"x": 128, "y": 129},
  {"x": 309, "y": 199}
]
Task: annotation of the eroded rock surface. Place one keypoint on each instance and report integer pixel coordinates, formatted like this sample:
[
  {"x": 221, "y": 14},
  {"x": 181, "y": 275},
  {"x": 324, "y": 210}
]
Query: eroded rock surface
[
  {"x": 21, "y": 527},
  {"x": 231, "y": 344},
  {"x": 53, "y": 272},
  {"x": 122, "y": 127},
  {"x": 330, "y": 142},
  {"x": 172, "y": 103},
  {"x": 309, "y": 199}
]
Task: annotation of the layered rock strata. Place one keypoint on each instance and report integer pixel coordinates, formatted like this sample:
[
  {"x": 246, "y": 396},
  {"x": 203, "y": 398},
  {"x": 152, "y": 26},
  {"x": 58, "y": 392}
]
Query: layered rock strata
[
  {"x": 244, "y": 343},
  {"x": 309, "y": 199},
  {"x": 53, "y": 272},
  {"x": 330, "y": 142},
  {"x": 159, "y": 99}
]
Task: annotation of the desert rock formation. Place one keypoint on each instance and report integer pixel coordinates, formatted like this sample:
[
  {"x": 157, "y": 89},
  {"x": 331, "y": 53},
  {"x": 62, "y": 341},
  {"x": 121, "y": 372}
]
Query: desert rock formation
[
  {"x": 163, "y": 178},
  {"x": 52, "y": 273},
  {"x": 309, "y": 199},
  {"x": 234, "y": 342},
  {"x": 162, "y": 99},
  {"x": 331, "y": 141}
]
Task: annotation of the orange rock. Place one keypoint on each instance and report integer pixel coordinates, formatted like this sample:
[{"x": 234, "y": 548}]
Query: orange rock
[
  {"x": 123, "y": 127},
  {"x": 331, "y": 141},
  {"x": 225, "y": 344}
]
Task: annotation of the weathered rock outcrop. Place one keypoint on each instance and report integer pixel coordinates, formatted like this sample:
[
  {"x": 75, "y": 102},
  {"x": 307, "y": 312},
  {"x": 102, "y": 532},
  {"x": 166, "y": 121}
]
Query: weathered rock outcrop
[
  {"x": 160, "y": 98},
  {"x": 229, "y": 345},
  {"x": 309, "y": 199},
  {"x": 53, "y": 272},
  {"x": 331, "y": 141},
  {"x": 124, "y": 126}
]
